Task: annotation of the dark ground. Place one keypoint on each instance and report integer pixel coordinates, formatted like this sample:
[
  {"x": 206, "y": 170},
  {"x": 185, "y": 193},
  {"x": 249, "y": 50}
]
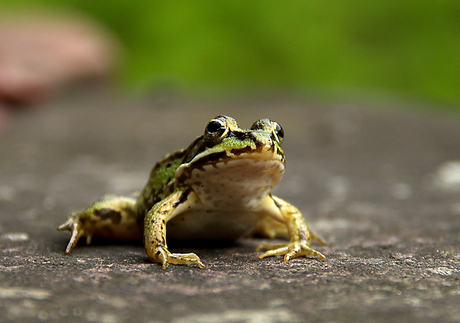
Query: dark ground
[{"x": 380, "y": 185}]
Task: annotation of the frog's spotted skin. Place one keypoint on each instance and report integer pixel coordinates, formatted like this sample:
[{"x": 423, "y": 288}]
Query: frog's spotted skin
[{"x": 217, "y": 188}]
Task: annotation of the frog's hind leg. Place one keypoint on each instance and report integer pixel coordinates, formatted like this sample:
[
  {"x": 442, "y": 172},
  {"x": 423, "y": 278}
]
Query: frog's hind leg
[
  {"x": 113, "y": 217},
  {"x": 299, "y": 235},
  {"x": 267, "y": 226}
]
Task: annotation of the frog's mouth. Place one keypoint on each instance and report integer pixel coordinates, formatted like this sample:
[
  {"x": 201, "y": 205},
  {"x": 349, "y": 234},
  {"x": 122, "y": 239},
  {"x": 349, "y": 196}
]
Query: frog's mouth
[
  {"x": 244, "y": 173},
  {"x": 267, "y": 163}
]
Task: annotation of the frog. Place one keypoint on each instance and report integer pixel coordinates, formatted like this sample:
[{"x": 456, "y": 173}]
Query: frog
[{"x": 217, "y": 188}]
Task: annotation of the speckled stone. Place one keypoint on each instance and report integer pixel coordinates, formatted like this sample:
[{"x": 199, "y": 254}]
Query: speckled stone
[{"x": 380, "y": 184}]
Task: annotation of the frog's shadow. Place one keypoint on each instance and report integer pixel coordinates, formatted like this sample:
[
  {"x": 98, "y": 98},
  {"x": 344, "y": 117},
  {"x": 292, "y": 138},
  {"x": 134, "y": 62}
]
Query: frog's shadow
[
  {"x": 179, "y": 244},
  {"x": 201, "y": 243}
]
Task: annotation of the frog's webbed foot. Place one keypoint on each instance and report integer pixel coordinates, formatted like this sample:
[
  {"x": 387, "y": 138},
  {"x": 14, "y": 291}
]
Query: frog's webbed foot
[
  {"x": 290, "y": 250},
  {"x": 165, "y": 257},
  {"x": 74, "y": 225}
]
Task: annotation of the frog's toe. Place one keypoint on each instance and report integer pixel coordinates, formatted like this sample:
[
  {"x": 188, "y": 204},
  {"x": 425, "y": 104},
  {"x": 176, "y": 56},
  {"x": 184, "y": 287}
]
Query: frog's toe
[
  {"x": 269, "y": 246},
  {"x": 301, "y": 249},
  {"x": 317, "y": 238},
  {"x": 274, "y": 252},
  {"x": 290, "y": 251},
  {"x": 77, "y": 231},
  {"x": 185, "y": 259},
  {"x": 165, "y": 257}
]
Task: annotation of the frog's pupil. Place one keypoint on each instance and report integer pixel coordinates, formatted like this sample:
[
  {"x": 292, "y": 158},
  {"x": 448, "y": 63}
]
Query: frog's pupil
[{"x": 214, "y": 126}]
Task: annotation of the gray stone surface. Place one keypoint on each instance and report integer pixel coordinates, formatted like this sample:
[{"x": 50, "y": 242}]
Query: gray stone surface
[{"x": 380, "y": 185}]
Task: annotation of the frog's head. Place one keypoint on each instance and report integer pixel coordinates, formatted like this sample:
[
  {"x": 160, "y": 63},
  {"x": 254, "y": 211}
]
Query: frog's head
[{"x": 225, "y": 152}]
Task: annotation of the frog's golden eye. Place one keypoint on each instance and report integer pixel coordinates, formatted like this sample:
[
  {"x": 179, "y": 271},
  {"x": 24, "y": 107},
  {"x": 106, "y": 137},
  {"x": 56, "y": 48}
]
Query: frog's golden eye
[
  {"x": 278, "y": 131},
  {"x": 216, "y": 128}
]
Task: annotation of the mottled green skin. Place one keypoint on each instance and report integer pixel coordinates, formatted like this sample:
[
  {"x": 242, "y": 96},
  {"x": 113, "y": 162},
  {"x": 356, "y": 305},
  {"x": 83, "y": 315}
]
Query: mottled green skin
[{"x": 161, "y": 183}]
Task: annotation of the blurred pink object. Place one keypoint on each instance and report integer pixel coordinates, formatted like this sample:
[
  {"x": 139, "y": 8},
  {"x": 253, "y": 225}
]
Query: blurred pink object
[{"x": 41, "y": 54}]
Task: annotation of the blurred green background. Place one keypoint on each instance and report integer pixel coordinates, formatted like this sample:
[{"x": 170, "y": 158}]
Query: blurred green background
[{"x": 389, "y": 48}]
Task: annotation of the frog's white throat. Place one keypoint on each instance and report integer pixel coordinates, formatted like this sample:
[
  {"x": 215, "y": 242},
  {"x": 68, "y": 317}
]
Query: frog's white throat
[
  {"x": 240, "y": 183},
  {"x": 229, "y": 194}
]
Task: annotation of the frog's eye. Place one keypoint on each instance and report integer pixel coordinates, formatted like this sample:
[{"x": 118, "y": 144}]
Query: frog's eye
[
  {"x": 278, "y": 132},
  {"x": 216, "y": 129}
]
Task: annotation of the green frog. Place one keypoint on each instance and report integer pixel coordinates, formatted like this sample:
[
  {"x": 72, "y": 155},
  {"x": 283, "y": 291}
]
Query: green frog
[{"x": 217, "y": 188}]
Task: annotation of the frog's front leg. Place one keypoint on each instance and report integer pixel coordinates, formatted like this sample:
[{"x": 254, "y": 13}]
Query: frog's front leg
[
  {"x": 113, "y": 217},
  {"x": 155, "y": 230},
  {"x": 299, "y": 234}
]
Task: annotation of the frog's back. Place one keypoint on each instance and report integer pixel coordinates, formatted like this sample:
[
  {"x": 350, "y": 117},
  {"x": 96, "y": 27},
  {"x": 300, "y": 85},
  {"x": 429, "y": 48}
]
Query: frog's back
[{"x": 160, "y": 183}]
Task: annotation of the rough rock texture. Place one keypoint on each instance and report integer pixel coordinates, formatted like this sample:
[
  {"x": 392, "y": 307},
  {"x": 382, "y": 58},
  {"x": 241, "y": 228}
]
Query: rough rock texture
[{"x": 380, "y": 185}]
